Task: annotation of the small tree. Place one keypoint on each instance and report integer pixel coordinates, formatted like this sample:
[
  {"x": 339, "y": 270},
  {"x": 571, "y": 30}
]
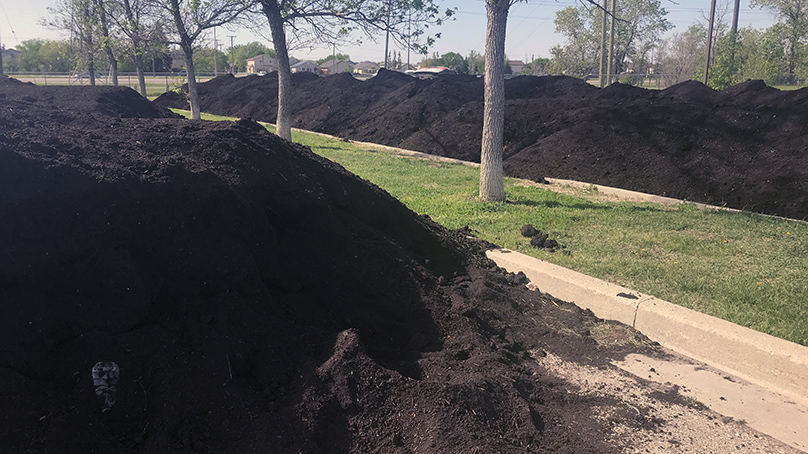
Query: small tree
[
  {"x": 476, "y": 62},
  {"x": 793, "y": 15},
  {"x": 137, "y": 22},
  {"x": 105, "y": 39},
  {"x": 81, "y": 19},
  {"x": 329, "y": 21},
  {"x": 681, "y": 55},
  {"x": 191, "y": 19}
]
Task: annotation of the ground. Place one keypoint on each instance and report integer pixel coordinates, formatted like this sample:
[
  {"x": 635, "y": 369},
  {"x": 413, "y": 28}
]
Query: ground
[
  {"x": 745, "y": 147},
  {"x": 258, "y": 298}
]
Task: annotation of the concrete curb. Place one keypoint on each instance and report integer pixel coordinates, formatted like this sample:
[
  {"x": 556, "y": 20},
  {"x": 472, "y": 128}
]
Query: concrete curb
[{"x": 758, "y": 358}]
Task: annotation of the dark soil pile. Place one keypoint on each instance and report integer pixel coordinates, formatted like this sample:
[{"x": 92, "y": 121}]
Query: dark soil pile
[
  {"x": 745, "y": 147},
  {"x": 257, "y": 298}
]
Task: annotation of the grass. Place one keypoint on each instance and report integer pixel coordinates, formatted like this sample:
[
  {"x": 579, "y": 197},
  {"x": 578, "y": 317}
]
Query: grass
[{"x": 741, "y": 267}]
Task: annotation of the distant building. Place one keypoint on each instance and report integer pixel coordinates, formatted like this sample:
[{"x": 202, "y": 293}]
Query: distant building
[
  {"x": 10, "y": 56},
  {"x": 261, "y": 63},
  {"x": 366, "y": 68},
  {"x": 516, "y": 66},
  {"x": 336, "y": 67},
  {"x": 305, "y": 67}
]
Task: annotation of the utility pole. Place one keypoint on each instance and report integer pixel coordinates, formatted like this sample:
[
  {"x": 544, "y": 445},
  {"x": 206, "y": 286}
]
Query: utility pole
[
  {"x": 387, "y": 37},
  {"x": 232, "y": 55},
  {"x": 602, "y": 76},
  {"x": 215, "y": 51},
  {"x": 709, "y": 41},
  {"x": 409, "y": 26},
  {"x": 734, "y": 32},
  {"x": 611, "y": 44}
]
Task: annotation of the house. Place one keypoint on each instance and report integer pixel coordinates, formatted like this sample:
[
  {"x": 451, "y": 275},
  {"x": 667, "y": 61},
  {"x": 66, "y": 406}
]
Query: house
[
  {"x": 367, "y": 68},
  {"x": 261, "y": 63},
  {"x": 177, "y": 60},
  {"x": 516, "y": 66},
  {"x": 338, "y": 66},
  {"x": 10, "y": 56},
  {"x": 305, "y": 66}
]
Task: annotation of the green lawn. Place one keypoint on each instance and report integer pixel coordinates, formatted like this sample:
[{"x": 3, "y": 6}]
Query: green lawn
[{"x": 746, "y": 268}]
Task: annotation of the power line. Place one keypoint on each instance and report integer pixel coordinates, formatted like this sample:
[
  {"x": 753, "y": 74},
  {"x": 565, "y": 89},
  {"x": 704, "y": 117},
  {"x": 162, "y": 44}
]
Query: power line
[{"x": 9, "y": 24}]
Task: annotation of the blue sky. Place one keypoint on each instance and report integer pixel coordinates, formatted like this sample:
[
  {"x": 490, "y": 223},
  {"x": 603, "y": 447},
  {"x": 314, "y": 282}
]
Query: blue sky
[{"x": 530, "y": 27}]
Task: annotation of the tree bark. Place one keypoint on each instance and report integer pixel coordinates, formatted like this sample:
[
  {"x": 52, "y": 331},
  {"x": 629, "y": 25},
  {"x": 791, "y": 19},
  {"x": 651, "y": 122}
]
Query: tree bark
[
  {"x": 492, "y": 186},
  {"x": 283, "y": 124},
  {"x": 193, "y": 92},
  {"x": 141, "y": 79}
]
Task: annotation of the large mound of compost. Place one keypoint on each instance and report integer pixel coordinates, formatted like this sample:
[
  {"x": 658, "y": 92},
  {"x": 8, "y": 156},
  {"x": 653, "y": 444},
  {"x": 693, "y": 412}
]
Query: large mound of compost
[
  {"x": 745, "y": 147},
  {"x": 175, "y": 286}
]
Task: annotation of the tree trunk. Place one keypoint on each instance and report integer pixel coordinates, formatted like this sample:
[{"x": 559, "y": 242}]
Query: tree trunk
[
  {"x": 141, "y": 81},
  {"x": 113, "y": 63},
  {"x": 91, "y": 64},
  {"x": 283, "y": 124},
  {"x": 141, "y": 76},
  {"x": 193, "y": 93},
  {"x": 492, "y": 186}
]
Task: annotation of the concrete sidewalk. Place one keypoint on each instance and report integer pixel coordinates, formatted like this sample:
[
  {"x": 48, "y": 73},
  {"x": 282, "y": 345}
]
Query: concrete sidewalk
[{"x": 758, "y": 378}]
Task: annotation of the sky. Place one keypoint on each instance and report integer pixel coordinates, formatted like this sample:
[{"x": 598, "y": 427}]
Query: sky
[{"x": 530, "y": 32}]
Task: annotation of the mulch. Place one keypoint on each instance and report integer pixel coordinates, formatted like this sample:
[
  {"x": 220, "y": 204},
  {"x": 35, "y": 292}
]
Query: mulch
[
  {"x": 258, "y": 298},
  {"x": 744, "y": 147}
]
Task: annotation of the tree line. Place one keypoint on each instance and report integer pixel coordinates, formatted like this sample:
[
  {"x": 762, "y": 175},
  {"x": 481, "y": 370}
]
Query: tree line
[
  {"x": 777, "y": 55},
  {"x": 63, "y": 56}
]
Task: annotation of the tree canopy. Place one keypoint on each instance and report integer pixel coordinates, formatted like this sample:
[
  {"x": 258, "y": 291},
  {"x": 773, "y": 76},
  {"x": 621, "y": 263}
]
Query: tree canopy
[
  {"x": 638, "y": 29},
  {"x": 331, "y": 21}
]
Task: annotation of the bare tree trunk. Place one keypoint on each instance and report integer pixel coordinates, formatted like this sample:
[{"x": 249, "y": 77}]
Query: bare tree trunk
[
  {"x": 283, "y": 124},
  {"x": 106, "y": 40},
  {"x": 91, "y": 64},
  {"x": 193, "y": 93},
  {"x": 141, "y": 80},
  {"x": 113, "y": 64},
  {"x": 141, "y": 75},
  {"x": 492, "y": 186}
]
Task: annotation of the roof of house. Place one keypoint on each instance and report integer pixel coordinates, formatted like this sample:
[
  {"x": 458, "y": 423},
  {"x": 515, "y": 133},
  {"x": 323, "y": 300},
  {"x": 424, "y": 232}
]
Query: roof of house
[
  {"x": 332, "y": 63},
  {"x": 303, "y": 63},
  {"x": 258, "y": 57},
  {"x": 366, "y": 64}
]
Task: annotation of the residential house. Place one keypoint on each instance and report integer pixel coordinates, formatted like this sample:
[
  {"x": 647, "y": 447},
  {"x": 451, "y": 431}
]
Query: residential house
[
  {"x": 516, "y": 66},
  {"x": 10, "y": 57},
  {"x": 336, "y": 67},
  {"x": 261, "y": 63},
  {"x": 366, "y": 68},
  {"x": 305, "y": 66}
]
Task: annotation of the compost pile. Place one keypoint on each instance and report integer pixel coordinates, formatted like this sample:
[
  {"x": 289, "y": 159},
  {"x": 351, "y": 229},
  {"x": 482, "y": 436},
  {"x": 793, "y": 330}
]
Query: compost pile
[
  {"x": 745, "y": 147},
  {"x": 258, "y": 298}
]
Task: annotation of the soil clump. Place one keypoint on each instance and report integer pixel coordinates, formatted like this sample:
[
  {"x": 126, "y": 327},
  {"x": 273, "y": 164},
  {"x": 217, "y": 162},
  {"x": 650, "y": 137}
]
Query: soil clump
[
  {"x": 259, "y": 298},
  {"x": 745, "y": 147}
]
